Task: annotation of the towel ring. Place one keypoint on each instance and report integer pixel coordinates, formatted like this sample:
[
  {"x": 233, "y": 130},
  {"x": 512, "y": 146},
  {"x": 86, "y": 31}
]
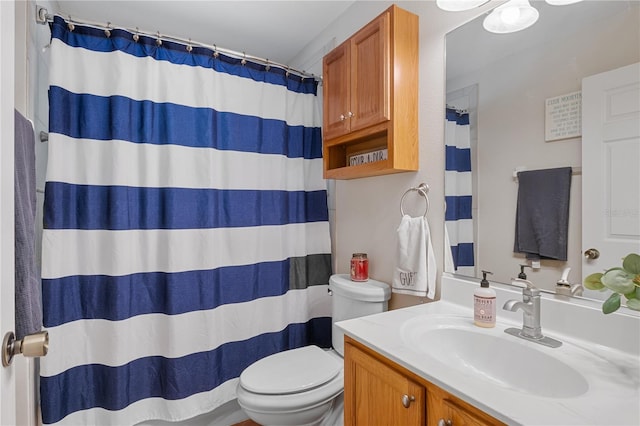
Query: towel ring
[{"x": 422, "y": 189}]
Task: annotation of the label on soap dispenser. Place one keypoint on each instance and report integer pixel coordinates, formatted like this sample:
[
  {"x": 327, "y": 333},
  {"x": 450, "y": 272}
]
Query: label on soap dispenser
[{"x": 484, "y": 311}]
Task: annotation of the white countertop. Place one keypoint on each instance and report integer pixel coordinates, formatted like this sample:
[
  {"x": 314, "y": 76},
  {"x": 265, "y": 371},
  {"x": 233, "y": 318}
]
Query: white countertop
[{"x": 606, "y": 402}]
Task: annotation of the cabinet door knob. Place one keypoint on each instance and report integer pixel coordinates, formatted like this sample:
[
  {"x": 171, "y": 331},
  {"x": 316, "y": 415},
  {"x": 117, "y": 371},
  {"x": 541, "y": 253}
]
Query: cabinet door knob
[
  {"x": 443, "y": 422},
  {"x": 350, "y": 114},
  {"x": 407, "y": 400},
  {"x": 342, "y": 117}
]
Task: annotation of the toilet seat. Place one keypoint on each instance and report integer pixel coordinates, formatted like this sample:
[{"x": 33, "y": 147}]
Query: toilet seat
[
  {"x": 291, "y": 403},
  {"x": 320, "y": 389},
  {"x": 293, "y": 371}
]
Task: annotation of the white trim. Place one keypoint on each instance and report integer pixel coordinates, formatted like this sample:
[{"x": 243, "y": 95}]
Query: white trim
[{"x": 7, "y": 269}]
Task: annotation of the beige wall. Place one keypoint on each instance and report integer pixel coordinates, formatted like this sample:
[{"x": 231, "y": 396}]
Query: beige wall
[{"x": 367, "y": 211}]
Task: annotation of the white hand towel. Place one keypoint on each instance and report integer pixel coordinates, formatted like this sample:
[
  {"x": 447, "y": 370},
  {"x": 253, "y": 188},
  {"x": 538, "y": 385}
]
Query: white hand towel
[{"x": 415, "y": 271}]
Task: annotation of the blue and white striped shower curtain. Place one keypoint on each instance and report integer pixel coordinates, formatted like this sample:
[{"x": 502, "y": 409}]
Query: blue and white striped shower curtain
[
  {"x": 186, "y": 227},
  {"x": 458, "y": 191}
]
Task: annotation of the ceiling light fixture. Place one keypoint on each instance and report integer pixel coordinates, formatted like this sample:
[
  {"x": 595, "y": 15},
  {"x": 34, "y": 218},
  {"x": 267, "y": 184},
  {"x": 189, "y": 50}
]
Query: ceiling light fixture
[
  {"x": 514, "y": 15},
  {"x": 459, "y": 5}
]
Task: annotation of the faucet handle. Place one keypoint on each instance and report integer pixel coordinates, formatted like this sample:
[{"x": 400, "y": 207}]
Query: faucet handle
[
  {"x": 523, "y": 283},
  {"x": 527, "y": 286},
  {"x": 563, "y": 281}
]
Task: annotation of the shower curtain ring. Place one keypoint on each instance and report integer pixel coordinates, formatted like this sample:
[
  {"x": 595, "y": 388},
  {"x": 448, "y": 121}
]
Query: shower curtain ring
[
  {"x": 244, "y": 59},
  {"x": 136, "y": 36},
  {"x": 158, "y": 39},
  {"x": 70, "y": 24},
  {"x": 189, "y": 47},
  {"x": 107, "y": 30},
  {"x": 215, "y": 51},
  {"x": 267, "y": 67}
]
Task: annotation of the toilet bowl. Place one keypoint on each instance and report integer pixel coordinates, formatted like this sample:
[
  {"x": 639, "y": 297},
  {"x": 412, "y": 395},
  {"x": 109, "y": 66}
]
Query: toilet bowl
[
  {"x": 294, "y": 387},
  {"x": 301, "y": 386}
]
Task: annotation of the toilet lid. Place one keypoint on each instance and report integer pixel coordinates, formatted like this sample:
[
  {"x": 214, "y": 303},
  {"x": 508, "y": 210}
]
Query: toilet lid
[{"x": 290, "y": 371}]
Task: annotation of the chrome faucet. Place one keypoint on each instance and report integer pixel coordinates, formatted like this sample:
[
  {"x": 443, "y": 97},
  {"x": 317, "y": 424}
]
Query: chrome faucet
[{"x": 530, "y": 306}]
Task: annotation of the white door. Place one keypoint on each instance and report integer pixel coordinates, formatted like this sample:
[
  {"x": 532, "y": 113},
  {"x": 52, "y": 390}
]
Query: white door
[
  {"x": 7, "y": 375},
  {"x": 610, "y": 161}
]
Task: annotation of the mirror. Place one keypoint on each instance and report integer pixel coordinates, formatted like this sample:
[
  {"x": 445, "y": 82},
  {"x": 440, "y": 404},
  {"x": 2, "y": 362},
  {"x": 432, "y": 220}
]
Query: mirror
[{"x": 503, "y": 82}]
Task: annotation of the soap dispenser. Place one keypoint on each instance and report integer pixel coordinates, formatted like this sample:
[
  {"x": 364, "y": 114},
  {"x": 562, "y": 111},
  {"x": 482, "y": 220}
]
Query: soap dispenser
[
  {"x": 484, "y": 304},
  {"x": 522, "y": 275}
]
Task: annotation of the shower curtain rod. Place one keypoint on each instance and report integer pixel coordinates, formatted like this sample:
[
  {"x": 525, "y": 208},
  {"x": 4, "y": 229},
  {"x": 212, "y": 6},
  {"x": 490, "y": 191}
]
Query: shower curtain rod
[{"x": 43, "y": 17}]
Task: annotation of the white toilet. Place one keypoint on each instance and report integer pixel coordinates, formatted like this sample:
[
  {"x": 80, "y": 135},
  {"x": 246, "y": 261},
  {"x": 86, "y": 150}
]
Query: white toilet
[{"x": 300, "y": 386}]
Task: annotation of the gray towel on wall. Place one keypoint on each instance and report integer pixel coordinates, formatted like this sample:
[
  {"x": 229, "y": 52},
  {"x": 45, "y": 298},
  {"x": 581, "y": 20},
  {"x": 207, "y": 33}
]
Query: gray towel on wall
[
  {"x": 542, "y": 215},
  {"x": 28, "y": 293}
]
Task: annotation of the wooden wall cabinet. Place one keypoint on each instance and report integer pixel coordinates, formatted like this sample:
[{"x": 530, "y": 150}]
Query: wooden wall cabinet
[
  {"x": 378, "y": 391},
  {"x": 370, "y": 98}
]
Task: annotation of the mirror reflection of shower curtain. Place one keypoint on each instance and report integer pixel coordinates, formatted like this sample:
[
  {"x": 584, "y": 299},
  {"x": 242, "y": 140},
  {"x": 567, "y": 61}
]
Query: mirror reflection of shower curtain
[
  {"x": 186, "y": 229},
  {"x": 459, "y": 223}
]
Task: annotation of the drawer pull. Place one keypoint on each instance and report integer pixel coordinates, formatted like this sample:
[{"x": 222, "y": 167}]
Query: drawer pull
[
  {"x": 443, "y": 422},
  {"x": 407, "y": 400}
]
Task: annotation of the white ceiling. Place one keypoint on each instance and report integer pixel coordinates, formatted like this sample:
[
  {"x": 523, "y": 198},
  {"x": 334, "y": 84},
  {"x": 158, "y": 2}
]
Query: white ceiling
[
  {"x": 279, "y": 30},
  {"x": 275, "y": 30},
  {"x": 470, "y": 47}
]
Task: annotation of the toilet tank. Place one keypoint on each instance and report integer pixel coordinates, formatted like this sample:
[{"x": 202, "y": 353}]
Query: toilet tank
[{"x": 351, "y": 299}]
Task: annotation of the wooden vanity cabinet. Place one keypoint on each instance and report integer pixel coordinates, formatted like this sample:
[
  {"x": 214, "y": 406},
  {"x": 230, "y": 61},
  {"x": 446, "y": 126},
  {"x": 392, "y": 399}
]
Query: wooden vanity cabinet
[
  {"x": 378, "y": 391},
  {"x": 447, "y": 410},
  {"x": 370, "y": 98},
  {"x": 377, "y": 394}
]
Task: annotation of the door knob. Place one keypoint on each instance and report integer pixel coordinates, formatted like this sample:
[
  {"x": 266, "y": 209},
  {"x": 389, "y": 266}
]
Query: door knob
[
  {"x": 407, "y": 400},
  {"x": 33, "y": 345},
  {"x": 592, "y": 254}
]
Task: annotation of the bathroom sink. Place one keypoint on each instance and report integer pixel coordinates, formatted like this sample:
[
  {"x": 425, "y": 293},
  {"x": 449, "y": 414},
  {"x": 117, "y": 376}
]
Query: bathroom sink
[{"x": 494, "y": 356}]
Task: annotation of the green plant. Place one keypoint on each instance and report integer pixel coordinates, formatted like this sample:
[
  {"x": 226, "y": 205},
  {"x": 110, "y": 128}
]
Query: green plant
[{"x": 622, "y": 281}]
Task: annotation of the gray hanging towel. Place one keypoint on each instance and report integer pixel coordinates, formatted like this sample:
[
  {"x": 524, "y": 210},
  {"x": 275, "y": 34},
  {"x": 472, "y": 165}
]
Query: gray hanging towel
[
  {"x": 542, "y": 215},
  {"x": 28, "y": 295}
]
